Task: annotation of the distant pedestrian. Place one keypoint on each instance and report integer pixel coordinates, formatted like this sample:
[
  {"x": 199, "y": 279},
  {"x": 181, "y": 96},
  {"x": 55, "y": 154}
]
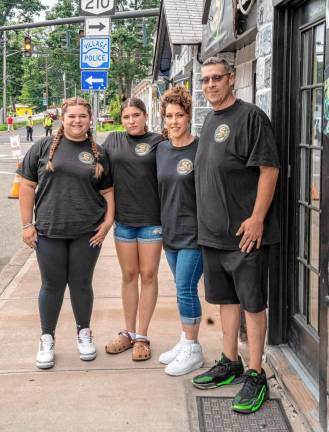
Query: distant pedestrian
[
  {"x": 175, "y": 169},
  {"x": 10, "y": 123},
  {"x": 48, "y": 124},
  {"x": 74, "y": 210},
  {"x": 137, "y": 232},
  {"x": 29, "y": 129}
]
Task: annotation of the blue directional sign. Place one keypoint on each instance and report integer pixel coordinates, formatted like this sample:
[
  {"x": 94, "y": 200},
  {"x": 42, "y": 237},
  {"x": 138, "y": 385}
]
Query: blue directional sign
[
  {"x": 94, "y": 80},
  {"x": 95, "y": 53}
]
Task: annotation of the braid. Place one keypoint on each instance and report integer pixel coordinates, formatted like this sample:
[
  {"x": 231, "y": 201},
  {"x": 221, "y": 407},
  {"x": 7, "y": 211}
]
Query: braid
[
  {"x": 53, "y": 148},
  {"x": 98, "y": 166}
]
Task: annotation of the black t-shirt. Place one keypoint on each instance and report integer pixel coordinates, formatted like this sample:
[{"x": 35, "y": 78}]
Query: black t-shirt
[
  {"x": 175, "y": 168},
  {"x": 234, "y": 142},
  {"x": 67, "y": 201},
  {"x": 133, "y": 165}
]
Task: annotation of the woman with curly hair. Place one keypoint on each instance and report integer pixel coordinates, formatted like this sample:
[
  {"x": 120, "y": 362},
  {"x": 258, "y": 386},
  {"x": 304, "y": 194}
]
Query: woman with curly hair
[
  {"x": 137, "y": 230},
  {"x": 68, "y": 183},
  {"x": 175, "y": 171}
]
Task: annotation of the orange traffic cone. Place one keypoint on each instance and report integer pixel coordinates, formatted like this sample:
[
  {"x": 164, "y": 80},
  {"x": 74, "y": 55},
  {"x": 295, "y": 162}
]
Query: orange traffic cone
[{"x": 14, "y": 193}]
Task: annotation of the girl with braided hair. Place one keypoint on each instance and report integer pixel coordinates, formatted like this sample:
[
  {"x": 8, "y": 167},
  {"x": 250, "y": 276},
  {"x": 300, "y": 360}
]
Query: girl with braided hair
[
  {"x": 137, "y": 231},
  {"x": 175, "y": 170},
  {"x": 68, "y": 182}
]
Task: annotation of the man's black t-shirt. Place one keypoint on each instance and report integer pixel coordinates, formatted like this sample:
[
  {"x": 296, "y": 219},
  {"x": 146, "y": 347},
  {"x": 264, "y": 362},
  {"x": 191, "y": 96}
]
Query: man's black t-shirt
[
  {"x": 175, "y": 168},
  {"x": 67, "y": 201},
  {"x": 133, "y": 165},
  {"x": 234, "y": 142}
]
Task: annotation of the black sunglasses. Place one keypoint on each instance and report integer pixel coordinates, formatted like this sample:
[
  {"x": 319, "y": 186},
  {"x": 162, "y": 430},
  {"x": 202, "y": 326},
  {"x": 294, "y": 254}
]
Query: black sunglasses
[{"x": 214, "y": 78}]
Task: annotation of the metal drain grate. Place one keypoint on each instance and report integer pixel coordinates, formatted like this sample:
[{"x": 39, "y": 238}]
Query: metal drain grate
[{"x": 215, "y": 415}]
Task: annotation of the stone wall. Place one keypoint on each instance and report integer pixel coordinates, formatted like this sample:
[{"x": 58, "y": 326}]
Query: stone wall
[
  {"x": 264, "y": 54},
  {"x": 244, "y": 73}
]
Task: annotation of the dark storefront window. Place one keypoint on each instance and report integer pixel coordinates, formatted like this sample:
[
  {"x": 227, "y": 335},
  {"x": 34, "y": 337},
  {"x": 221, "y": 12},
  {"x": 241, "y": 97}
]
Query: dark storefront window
[{"x": 310, "y": 151}]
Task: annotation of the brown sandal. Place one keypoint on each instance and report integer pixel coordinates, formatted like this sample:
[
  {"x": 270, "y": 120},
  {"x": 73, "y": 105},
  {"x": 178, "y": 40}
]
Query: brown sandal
[
  {"x": 120, "y": 344},
  {"x": 141, "y": 350}
]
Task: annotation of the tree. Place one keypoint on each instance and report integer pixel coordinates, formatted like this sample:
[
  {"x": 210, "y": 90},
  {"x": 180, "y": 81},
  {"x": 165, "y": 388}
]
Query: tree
[
  {"x": 132, "y": 46},
  {"x": 56, "y": 54},
  {"x": 22, "y": 10}
]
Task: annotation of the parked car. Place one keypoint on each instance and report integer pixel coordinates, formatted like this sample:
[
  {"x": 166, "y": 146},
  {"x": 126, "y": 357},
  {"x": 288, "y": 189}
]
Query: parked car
[{"x": 105, "y": 119}]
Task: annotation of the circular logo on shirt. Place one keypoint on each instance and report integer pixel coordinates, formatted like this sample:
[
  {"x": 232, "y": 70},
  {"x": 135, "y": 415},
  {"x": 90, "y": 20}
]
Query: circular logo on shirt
[
  {"x": 86, "y": 158},
  {"x": 184, "y": 166},
  {"x": 142, "y": 149},
  {"x": 222, "y": 133}
]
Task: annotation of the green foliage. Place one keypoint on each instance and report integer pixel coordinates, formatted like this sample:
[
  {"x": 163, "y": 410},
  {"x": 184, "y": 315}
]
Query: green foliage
[
  {"x": 110, "y": 128},
  {"x": 22, "y": 10},
  {"x": 115, "y": 108},
  {"x": 29, "y": 79}
]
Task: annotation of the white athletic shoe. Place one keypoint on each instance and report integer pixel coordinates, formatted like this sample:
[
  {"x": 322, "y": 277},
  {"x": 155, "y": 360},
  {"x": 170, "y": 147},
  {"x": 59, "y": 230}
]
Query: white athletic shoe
[
  {"x": 189, "y": 358},
  {"x": 86, "y": 346},
  {"x": 168, "y": 356},
  {"x": 46, "y": 354}
]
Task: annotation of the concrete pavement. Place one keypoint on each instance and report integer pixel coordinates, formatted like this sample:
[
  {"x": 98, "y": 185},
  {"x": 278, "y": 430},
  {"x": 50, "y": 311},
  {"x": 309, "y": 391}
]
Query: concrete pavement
[{"x": 111, "y": 393}]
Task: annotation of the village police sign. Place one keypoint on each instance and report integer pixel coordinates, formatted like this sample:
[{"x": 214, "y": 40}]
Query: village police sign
[{"x": 95, "y": 53}]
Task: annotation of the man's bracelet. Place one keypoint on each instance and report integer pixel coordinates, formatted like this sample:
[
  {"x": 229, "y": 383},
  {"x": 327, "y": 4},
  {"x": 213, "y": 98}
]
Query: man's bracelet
[{"x": 27, "y": 225}]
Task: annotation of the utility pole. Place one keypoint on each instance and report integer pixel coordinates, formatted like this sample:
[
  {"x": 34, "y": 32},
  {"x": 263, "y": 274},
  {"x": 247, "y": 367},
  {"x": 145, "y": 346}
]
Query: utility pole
[
  {"x": 4, "y": 78},
  {"x": 64, "y": 80},
  {"x": 46, "y": 82}
]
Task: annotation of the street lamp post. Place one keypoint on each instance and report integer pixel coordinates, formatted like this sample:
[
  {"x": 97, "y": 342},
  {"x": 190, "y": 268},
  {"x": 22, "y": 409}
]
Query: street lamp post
[{"x": 4, "y": 77}]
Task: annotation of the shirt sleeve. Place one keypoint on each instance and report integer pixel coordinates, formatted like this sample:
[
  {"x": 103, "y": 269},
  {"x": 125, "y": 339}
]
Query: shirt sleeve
[
  {"x": 263, "y": 149},
  {"x": 29, "y": 167},
  {"x": 106, "y": 181}
]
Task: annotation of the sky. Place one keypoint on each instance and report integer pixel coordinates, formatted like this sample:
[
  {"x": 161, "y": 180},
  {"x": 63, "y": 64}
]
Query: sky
[{"x": 41, "y": 17}]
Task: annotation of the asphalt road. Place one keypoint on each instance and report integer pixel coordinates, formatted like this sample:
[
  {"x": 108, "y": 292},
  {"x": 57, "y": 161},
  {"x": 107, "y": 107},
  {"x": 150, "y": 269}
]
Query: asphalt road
[{"x": 10, "y": 224}]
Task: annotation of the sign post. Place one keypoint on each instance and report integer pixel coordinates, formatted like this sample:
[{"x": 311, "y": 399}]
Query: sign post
[{"x": 95, "y": 48}]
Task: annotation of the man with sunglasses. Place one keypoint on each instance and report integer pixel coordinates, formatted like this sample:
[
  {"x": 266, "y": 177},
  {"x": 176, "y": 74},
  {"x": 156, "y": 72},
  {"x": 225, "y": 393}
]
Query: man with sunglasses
[{"x": 236, "y": 170}]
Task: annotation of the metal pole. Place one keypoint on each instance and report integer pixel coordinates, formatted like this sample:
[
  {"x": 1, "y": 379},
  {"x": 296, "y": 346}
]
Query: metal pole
[
  {"x": 118, "y": 16},
  {"x": 64, "y": 80},
  {"x": 4, "y": 93},
  {"x": 46, "y": 83}
]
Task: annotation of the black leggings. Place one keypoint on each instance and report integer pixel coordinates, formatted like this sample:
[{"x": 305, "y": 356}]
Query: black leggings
[{"x": 62, "y": 262}]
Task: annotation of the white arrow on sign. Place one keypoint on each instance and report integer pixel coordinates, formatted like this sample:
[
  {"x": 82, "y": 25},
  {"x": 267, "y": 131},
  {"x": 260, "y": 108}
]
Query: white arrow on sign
[
  {"x": 97, "y": 26},
  {"x": 90, "y": 80}
]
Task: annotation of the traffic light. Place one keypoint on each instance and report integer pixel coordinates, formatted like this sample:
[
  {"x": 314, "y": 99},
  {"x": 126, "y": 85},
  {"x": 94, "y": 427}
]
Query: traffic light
[
  {"x": 27, "y": 46},
  {"x": 66, "y": 40}
]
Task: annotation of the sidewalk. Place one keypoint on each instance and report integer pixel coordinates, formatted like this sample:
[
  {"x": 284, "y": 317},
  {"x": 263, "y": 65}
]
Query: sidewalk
[{"x": 112, "y": 393}]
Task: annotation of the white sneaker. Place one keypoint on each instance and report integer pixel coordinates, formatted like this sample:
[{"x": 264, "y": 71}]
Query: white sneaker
[
  {"x": 188, "y": 359},
  {"x": 86, "y": 346},
  {"x": 46, "y": 354},
  {"x": 168, "y": 356}
]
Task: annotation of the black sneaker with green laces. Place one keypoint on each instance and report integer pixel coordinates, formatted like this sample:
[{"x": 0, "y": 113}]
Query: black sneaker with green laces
[
  {"x": 253, "y": 394},
  {"x": 224, "y": 372}
]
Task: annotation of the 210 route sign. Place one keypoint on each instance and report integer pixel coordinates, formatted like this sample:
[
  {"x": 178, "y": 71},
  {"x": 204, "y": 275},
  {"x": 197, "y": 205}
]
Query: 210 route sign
[{"x": 97, "y": 7}]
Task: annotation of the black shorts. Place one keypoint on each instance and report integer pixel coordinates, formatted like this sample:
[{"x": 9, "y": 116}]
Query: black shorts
[{"x": 234, "y": 277}]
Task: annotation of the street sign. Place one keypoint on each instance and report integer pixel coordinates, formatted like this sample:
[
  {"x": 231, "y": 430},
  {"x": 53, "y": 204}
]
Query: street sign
[
  {"x": 97, "y": 26},
  {"x": 95, "y": 53},
  {"x": 94, "y": 80},
  {"x": 97, "y": 7}
]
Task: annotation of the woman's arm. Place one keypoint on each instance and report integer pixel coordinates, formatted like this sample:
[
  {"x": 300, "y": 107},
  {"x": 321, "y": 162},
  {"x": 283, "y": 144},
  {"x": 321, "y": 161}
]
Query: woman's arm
[
  {"x": 26, "y": 203},
  {"x": 106, "y": 225}
]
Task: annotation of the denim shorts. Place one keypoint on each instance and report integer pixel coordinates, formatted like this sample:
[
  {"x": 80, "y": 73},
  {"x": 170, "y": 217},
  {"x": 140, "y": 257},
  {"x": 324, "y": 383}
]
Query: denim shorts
[{"x": 129, "y": 234}]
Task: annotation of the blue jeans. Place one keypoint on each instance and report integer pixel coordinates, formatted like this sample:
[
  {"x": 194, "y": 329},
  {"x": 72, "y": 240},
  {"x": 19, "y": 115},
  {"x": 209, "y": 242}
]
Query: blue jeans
[
  {"x": 186, "y": 266},
  {"x": 129, "y": 234}
]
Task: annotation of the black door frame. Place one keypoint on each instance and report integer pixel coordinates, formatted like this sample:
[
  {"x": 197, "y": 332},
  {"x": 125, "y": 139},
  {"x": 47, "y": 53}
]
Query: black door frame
[{"x": 279, "y": 278}]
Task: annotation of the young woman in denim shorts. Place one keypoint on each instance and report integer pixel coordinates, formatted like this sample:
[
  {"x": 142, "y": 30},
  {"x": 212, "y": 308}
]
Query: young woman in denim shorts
[
  {"x": 137, "y": 232},
  {"x": 175, "y": 170}
]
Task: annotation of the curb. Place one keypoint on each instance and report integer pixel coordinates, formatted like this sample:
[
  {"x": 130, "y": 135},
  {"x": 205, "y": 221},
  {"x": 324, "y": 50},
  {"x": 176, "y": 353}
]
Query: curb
[{"x": 11, "y": 269}]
